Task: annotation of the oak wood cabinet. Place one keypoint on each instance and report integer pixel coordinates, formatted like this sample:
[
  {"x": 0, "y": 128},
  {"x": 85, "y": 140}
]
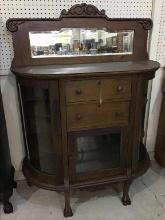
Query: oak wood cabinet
[{"x": 82, "y": 98}]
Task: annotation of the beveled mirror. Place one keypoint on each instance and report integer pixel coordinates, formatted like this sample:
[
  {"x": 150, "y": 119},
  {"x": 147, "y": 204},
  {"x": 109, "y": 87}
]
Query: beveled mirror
[{"x": 70, "y": 42}]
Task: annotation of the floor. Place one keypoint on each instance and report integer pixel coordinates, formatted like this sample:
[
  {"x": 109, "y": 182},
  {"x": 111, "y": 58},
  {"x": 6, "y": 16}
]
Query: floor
[{"x": 147, "y": 194}]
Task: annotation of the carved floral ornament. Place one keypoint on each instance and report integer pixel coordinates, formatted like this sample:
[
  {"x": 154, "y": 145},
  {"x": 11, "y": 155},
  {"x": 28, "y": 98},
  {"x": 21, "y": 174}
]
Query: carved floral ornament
[
  {"x": 83, "y": 10},
  {"x": 77, "y": 11}
]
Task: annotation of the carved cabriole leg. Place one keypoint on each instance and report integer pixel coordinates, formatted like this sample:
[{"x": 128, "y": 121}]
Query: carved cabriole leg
[
  {"x": 126, "y": 199},
  {"x": 67, "y": 210},
  {"x": 7, "y": 206},
  {"x": 64, "y": 142}
]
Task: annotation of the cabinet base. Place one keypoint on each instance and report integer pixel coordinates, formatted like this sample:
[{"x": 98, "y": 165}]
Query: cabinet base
[{"x": 49, "y": 182}]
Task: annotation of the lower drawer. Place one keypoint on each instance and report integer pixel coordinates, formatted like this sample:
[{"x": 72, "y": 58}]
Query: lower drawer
[{"x": 86, "y": 116}]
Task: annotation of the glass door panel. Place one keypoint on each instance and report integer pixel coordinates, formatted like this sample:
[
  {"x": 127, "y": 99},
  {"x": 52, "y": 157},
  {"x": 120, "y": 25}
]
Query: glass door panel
[{"x": 97, "y": 153}]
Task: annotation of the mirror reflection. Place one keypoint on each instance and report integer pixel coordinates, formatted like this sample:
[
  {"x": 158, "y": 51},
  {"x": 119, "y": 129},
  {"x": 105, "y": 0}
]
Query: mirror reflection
[{"x": 79, "y": 42}]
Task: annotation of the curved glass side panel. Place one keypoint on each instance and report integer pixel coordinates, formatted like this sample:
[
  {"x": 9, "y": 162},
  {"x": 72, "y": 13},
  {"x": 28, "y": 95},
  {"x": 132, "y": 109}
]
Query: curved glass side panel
[
  {"x": 36, "y": 113},
  {"x": 142, "y": 154},
  {"x": 68, "y": 42}
]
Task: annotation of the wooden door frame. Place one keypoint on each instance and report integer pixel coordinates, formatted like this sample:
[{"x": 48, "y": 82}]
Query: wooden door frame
[{"x": 97, "y": 174}]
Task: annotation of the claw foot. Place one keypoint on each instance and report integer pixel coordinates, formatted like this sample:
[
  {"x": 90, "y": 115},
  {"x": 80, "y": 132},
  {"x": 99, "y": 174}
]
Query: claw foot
[
  {"x": 8, "y": 208},
  {"x": 126, "y": 201},
  {"x": 68, "y": 212}
]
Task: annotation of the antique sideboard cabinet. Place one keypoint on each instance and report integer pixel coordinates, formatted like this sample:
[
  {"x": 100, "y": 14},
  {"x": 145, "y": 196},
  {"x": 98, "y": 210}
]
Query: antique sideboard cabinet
[{"x": 82, "y": 81}]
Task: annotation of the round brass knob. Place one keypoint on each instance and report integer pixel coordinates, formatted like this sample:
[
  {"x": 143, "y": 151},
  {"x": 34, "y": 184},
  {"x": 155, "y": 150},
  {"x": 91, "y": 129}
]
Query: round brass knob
[
  {"x": 99, "y": 82},
  {"x": 78, "y": 91},
  {"x": 119, "y": 88},
  {"x": 78, "y": 116}
]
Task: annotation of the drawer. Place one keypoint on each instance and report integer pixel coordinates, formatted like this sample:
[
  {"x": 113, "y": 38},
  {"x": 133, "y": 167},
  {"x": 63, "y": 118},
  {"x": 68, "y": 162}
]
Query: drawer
[
  {"x": 95, "y": 116},
  {"x": 84, "y": 90}
]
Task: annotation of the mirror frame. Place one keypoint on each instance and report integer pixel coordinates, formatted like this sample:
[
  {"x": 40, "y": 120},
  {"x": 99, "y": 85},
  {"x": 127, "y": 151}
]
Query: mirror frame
[{"x": 78, "y": 16}]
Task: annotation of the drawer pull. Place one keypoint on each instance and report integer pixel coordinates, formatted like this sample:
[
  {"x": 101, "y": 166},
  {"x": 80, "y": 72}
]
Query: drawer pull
[
  {"x": 78, "y": 116},
  {"x": 119, "y": 88},
  {"x": 78, "y": 91},
  {"x": 100, "y": 93},
  {"x": 118, "y": 114}
]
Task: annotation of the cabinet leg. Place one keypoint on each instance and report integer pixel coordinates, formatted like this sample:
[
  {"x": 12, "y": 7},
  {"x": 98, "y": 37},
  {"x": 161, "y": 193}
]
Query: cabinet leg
[
  {"x": 7, "y": 206},
  {"x": 67, "y": 210},
  {"x": 126, "y": 199}
]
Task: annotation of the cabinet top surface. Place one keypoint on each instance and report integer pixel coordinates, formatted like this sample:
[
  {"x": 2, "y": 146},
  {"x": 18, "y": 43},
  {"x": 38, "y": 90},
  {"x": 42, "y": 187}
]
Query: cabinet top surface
[{"x": 92, "y": 69}]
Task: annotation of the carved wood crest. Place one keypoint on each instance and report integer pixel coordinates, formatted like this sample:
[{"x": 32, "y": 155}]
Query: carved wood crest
[
  {"x": 78, "y": 11},
  {"x": 83, "y": 10}
]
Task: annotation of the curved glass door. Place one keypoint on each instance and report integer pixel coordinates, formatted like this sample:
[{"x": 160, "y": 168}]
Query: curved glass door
[{"x": 37, "y": 119}]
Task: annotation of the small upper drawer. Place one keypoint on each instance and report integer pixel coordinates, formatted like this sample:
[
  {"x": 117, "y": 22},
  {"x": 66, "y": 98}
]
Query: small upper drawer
[{"x": 92, "y": 89}]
